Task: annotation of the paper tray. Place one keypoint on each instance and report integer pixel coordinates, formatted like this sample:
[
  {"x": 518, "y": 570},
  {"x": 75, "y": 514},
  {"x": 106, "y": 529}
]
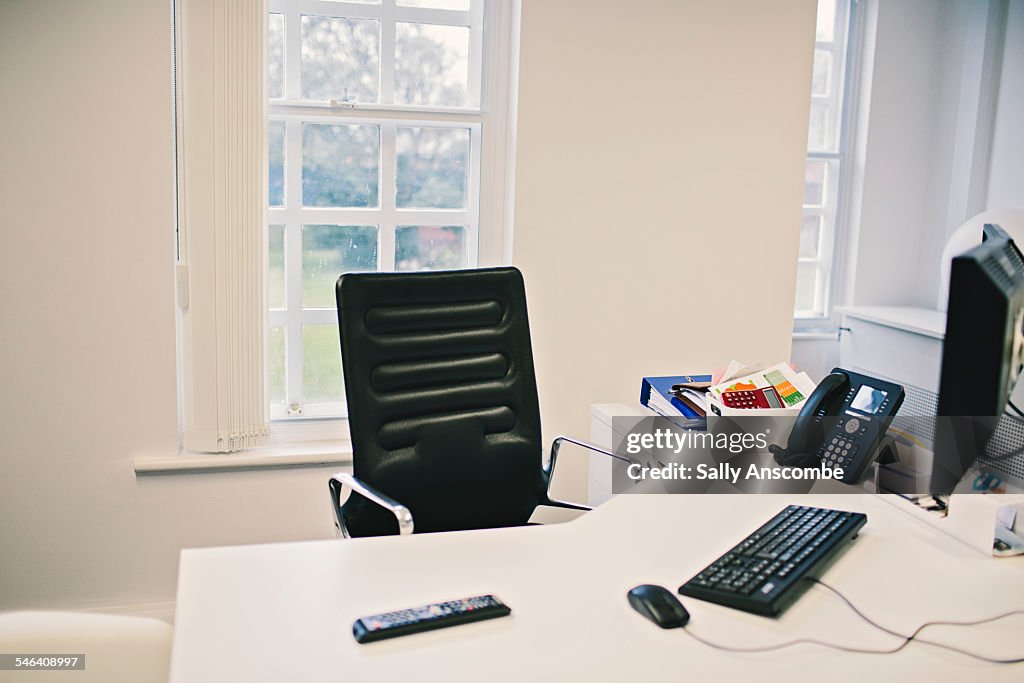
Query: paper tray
[{"x": 776, "y": 423}]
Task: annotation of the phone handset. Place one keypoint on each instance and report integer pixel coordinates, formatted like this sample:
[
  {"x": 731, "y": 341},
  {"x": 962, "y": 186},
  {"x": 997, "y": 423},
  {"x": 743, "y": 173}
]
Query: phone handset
[
  {"x": 809, "y": 428},
  {"x": 842, "y": 424}
]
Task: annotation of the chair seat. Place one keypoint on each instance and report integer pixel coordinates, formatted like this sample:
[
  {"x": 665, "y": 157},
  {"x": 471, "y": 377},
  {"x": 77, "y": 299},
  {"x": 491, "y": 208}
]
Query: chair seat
[{"x": 117, "y": 649}]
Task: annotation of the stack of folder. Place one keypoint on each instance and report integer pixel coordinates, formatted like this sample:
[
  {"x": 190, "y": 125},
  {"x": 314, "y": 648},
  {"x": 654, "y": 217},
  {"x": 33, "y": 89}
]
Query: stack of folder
[{"x": 680, "y": 398}]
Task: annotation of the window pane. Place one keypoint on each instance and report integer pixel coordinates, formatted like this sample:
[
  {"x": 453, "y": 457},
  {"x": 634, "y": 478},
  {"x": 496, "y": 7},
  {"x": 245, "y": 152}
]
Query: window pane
[
  {"x": 275, "y": 56},
  {"x": 821, "y": 133},
  {"x": 432, "y": 65},
  {"x": 436, "y": 4},
  {"x": 275, "y": 162},
  {"x": 275, "y": 267},
  {"x": 810, "y": 237},
  {"x": 806, "y": 289},
  {"x": 340, "y": 165},
  {"x": 321, "y": 364},
  {"x": 826, "y": 31},
  {"x": 340, "y": 59},
  {"x": 822, "y": 72},
  {"x": 814, "y": 183},
  {"x": 327, "y": 252},
  {"x": 419, "y": 247},
  {"x": 433, "y": 168},
  {"x": 276, "y": 364}
]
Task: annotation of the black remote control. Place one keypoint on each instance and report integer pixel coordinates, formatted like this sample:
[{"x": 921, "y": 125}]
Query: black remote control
[{"x": 427, "y": 618}]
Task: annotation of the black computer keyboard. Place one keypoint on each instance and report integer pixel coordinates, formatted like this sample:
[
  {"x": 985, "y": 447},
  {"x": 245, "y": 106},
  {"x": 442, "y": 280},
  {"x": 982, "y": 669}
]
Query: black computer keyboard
[{"x": 767, "y": 571}]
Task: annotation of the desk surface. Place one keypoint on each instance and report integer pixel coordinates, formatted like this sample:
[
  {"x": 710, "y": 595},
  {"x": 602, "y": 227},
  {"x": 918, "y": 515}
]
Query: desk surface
[{"x": 284, "y": 612}]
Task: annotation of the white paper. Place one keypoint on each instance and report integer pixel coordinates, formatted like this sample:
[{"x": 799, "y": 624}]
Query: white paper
[{"x": 759, "y": 379}]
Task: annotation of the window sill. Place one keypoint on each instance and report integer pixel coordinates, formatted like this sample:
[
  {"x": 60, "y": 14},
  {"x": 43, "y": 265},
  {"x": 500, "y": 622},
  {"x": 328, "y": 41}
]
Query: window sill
[
  {"x": 816, "y": 335},
  {"x": 312, "y": 454}
]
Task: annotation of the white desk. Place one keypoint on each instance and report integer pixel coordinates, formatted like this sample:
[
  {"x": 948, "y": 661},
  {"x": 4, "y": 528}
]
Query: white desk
[{"x": 284, "y": 612}]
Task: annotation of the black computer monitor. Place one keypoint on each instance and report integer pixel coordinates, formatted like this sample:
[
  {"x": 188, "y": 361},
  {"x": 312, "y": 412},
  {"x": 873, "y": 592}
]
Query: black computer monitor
[{"x": 982, "y": 355}]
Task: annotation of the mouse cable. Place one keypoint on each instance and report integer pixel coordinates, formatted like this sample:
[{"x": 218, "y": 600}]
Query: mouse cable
[
  {"x": 927, "y": 624},
  {"x": 906, "y": 639}
]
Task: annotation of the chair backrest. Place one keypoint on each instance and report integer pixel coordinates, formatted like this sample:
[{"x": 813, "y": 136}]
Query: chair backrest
[{"x": 442, "y": 398}]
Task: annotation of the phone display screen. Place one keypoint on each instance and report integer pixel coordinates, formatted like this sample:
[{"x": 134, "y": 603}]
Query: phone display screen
[{"x": 868, "y": 400}]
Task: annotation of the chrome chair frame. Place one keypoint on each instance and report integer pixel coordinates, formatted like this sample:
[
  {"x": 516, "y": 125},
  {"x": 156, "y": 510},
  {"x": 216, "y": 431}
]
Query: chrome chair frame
[{"x": 343, "y": 480}]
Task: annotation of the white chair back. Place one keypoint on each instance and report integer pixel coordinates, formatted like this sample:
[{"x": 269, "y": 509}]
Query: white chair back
[{"x": 117, "y": 649}]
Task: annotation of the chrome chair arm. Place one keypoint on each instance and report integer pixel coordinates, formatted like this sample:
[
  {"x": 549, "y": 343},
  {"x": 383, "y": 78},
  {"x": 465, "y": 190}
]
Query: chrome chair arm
[
  {"x": 553, "y": 459},
  {"x": 337, "y": 485}
]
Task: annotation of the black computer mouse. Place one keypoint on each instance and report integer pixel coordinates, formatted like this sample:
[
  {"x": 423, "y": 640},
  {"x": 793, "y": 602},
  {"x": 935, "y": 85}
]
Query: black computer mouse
[{"x": 658, "y": 604}]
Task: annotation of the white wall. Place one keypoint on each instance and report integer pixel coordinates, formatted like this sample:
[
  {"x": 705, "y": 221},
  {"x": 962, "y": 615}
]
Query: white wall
[
  {"x": 898, "y": 153},
  {"x": 88, "y": 327},
  {"x": 1006, "y": 174},
  {"x": 815, "y": 355},
  {"x": 658, "y": 151},
  {"x": 929, "y": 157}
]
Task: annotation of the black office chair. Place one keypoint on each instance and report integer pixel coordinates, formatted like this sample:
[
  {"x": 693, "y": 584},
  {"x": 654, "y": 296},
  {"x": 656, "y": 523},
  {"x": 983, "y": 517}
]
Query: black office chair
[{"x": 442, "y": 404}]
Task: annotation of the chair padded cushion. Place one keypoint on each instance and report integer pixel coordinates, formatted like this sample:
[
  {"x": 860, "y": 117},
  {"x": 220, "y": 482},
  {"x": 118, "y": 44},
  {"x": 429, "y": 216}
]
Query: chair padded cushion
[
  {"x": 442, "y": 398},
  {"x": 117, "y": 649}
]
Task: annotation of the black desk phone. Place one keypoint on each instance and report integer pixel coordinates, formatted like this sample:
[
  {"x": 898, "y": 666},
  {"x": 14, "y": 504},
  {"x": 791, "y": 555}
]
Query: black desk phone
[{"x": 842, "y": 424}]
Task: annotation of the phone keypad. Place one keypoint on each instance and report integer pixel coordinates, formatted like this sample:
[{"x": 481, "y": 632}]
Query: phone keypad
[
  {"x": 838, "y": 451},
  {"x": 853, "y": 434},
  {"x": 841, "y": 446}
]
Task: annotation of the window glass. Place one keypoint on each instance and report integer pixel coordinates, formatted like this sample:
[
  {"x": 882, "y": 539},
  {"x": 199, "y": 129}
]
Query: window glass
[
  {"x": 276, "y": 365},
  {"x": 275, "y": 267},
  {"x": 419, "y": 247},
  {"x": 432, "y": 168},
  {"x": 321, "y": 364},
  {"x": 340, "y": 165},
  {"x": 327, "y": 252},
  {"x": 340, "y": 59},
  {"x": 431, "y": 65},
  {"x": 806, "y": 289},
  {"x": 822, "y": 73},
  {"x": 810, "y": 237},
  {"x": 275, "y": 56},
  {"x": 820, "y": 135},
  {"x": 826, "y": 27},
  {"x": 275, "y": 162},
  {"x": 814, "y": 183}
]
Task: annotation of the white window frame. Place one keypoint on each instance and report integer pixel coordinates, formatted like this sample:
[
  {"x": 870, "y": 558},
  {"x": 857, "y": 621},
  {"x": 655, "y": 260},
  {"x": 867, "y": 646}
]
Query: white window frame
[
  {"x": 834, "y": 235},
  {"x": 221, "y": 267}
]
